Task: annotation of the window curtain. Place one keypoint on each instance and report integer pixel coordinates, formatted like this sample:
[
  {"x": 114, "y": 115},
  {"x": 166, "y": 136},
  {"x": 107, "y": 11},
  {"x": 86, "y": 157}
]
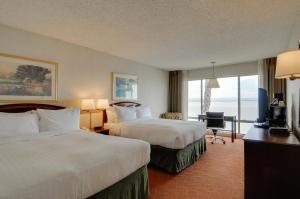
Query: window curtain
[
  {"x": 268, "y": 81},
  {"x": 175, "y": 91},
  {"x": 207, "y": 98}
]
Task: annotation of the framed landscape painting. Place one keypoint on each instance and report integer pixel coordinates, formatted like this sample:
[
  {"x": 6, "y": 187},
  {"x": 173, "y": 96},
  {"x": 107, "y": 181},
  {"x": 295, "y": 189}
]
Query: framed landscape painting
[
  {"x": 125, "y": 87},
  {"x": 23, "y": 79}
]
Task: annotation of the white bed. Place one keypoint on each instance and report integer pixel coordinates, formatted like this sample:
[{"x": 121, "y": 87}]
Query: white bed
[
  {"x": 173, "y": 134},
  {"x": 175, "y": 144},
  {"x": 66, "y": 164}
]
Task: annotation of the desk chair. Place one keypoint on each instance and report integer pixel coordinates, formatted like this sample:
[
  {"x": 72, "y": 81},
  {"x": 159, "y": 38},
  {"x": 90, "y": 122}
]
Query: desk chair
[{"x": 215, "y": 122}]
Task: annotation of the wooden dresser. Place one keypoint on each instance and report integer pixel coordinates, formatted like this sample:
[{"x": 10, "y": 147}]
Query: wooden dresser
[{"x": 272, "y": 165}]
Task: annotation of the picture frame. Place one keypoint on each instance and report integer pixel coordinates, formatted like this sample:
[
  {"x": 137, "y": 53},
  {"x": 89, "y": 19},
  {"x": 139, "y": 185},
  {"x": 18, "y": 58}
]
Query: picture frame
[
  {"x": 27, "y": 79},
  {"x": 125, "y": 87}
]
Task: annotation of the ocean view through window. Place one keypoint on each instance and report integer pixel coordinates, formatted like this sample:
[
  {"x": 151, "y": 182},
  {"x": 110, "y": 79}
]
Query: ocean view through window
[
  {"x": 236, "y": 96},
  {"x": 194, "y": 99}
]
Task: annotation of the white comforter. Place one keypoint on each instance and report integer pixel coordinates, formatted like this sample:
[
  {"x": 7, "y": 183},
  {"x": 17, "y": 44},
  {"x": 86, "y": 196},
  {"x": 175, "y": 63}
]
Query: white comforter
[
  {"x": 174, "y": 134},
  {"x": 66, "y": 165}
]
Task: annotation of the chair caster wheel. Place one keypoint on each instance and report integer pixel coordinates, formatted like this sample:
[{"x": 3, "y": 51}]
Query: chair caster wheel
[
  {"x": 212, "y": 142},
  {"x": 224, "y": 142}
]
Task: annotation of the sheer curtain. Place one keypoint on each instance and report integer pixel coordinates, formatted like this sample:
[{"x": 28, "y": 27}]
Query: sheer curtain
[{"x": 207, "y": 98}]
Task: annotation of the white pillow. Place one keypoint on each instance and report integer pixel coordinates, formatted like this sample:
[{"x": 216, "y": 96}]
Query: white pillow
[
  {"x": 18, "y": 124},
  {"x": 57, "y": 120},
  {"x": 125, "y": 113},
  {"x": 111, "y": 115},
  {"x": 143, "y": 112}
]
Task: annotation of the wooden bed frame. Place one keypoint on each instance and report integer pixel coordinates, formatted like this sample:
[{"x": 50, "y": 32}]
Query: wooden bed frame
[
  {"x": 123, "y": 104},
  {"x": 24, "y": 107}
]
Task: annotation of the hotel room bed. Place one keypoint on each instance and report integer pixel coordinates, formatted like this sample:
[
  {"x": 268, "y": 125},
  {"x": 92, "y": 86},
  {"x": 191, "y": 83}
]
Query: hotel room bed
[
  {"x": 73, "y": 164},
  {"x": 174, "y": 144}
]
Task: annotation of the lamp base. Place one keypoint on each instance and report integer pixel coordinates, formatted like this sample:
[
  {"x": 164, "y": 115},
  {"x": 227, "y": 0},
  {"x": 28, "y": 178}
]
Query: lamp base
[{"x": 293, "y": 77}]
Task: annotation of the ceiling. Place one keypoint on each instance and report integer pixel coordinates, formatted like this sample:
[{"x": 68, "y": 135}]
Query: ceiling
[{"x": 169, "y": 34}]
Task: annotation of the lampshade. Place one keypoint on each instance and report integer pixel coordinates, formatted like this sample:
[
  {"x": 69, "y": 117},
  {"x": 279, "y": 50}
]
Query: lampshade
[
  {"x": 88, "y": 104},
  {"x": 102, "y": 103},
  {"x": 288, "y": 65},
  {"x": 213, "y": 83}
]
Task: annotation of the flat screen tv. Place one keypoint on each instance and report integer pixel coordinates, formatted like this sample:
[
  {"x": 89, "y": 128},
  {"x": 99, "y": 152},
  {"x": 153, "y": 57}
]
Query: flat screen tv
[{"x": 262, "y": 105}]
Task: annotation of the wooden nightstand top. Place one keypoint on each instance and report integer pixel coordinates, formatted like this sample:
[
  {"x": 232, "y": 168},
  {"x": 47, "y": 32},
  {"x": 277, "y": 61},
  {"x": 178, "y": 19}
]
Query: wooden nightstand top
[{"x": 101, "y": 130}]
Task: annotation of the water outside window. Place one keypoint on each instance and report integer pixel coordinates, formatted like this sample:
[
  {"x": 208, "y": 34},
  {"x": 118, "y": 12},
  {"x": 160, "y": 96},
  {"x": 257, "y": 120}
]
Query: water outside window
[{"x": 225, "y": 99}]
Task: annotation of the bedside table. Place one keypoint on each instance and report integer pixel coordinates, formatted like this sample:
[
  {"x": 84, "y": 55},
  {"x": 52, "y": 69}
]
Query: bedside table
[{"x": 101, "y": 130}]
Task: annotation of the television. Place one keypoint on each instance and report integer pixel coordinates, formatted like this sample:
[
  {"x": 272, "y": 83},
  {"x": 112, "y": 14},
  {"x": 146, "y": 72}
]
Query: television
[{"x": 262, "y": 106}]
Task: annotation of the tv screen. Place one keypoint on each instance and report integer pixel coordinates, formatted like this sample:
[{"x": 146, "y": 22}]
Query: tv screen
[{"x": 262, "y": 105}]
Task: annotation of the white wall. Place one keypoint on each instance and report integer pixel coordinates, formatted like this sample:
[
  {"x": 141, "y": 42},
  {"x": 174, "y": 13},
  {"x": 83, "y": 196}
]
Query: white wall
[
  {"x": 86, "y": 73},
  {"x": 248, "y": 68},
  {"x": 293, "y": 87}
]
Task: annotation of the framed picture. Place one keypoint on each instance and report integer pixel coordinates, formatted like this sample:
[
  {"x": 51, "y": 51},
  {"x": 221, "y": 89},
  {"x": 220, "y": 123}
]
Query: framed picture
[
  {"x": 23, "y": 79},
  {"x": 124, "y": 87}
]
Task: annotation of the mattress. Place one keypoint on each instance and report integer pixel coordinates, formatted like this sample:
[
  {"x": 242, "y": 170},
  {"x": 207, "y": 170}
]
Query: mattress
[
  {"x": 66, "y": 165},
  {"x": 174, "y": 134}
]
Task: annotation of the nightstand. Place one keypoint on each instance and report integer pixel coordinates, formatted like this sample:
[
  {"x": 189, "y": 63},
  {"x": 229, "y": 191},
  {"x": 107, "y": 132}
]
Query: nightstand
[{"x": 101, "y": 130}]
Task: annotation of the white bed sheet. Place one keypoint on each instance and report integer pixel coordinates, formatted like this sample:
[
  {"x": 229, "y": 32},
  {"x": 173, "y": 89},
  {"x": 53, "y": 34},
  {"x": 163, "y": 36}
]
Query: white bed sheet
[
  {"x": 66, "y": 165},
  {"x": 174, "y": 134}
]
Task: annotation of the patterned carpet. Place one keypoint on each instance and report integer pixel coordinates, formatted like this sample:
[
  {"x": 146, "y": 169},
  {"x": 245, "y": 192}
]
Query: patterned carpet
[{"x": 218, "y": 174}]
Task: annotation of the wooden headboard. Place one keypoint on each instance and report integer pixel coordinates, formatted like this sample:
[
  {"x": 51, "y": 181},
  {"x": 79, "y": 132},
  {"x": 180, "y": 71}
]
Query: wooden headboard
[
  {"x": 20, "y": 108},
  {"x": 124, "y": 104}
]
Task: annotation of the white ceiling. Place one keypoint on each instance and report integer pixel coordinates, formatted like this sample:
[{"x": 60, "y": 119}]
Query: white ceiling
[{"x": 170, "y": 34}]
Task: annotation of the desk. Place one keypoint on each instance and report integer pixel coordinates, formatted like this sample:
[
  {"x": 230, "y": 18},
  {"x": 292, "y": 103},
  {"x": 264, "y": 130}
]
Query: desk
[
  {"x": 271, "y": 165},
  {"x": 227, "y": 118}
]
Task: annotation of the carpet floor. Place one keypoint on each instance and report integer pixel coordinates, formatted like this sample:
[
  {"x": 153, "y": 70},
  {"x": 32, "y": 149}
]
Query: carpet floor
[{"x": 218, "y": 174}]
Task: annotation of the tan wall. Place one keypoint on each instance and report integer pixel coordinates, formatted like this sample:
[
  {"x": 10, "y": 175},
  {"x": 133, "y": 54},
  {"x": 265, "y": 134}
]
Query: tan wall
[
  {"x": 86, "y": 73},
  {"x": 248, "y": 68}
]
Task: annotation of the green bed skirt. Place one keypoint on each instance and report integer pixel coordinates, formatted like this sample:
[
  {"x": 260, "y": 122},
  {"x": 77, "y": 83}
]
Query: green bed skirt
[
  {"x": 134, "y": 186},
  {"x": 175, "y": 160}
]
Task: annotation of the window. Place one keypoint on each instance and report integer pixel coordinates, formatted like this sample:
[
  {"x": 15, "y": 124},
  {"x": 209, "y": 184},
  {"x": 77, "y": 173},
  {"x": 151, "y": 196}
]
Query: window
[
  {"x": 223, "y": 99},
  {"x": 249, "y": 97},
  {"x": 244, "y": 127},
  {"x": 226, "y": 99},
  {"x": 194, "y": 99},
  {"x": 249, "y": 101}
]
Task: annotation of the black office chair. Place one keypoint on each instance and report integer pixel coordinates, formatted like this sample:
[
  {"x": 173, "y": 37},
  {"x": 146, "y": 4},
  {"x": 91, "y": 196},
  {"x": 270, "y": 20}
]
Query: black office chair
[{"x": 215, "y": 122}]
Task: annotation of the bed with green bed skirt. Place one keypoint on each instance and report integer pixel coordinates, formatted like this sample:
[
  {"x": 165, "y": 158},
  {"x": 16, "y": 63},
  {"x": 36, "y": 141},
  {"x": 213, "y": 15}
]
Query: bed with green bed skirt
[
  {"x": 134, "y": 186},
  {"x": 175, "y": 160}
]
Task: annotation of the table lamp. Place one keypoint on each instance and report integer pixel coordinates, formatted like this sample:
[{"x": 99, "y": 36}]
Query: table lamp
[
  {"x": 102, "y": 103},
  {"x": 88, "y": 105},
  {"x": 288, "y": 65}
]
